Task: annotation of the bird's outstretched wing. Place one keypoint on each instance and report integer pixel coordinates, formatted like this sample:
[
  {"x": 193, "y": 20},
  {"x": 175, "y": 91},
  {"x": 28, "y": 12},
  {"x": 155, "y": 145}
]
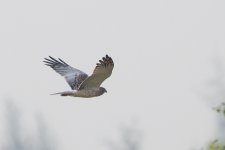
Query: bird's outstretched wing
[
  {"x": 101, "y": 72},
  {"x": 73, "y": 76}
]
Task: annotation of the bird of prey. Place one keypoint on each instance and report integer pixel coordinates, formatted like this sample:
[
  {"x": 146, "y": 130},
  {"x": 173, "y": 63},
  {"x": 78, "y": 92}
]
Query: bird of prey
[{"x": 81, "y": 84}]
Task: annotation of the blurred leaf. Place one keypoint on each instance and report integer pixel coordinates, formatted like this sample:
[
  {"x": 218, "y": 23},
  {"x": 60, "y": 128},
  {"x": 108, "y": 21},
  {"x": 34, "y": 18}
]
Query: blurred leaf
[
  {"x": 216, "y": 145},
  {"x": 224, "y": 112},
  {"x": 220, "y": 108}
]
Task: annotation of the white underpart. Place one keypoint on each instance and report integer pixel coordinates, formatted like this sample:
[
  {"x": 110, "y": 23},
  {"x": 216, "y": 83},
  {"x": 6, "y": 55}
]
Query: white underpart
[{"x": 81, "y": 93}]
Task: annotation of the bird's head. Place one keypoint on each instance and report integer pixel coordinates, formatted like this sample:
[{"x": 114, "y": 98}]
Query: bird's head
[{"x": 103, "y": 90}]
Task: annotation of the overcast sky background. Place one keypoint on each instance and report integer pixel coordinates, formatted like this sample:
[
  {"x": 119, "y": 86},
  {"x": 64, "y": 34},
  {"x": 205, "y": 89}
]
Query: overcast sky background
[{"x": 163, "y": 53}]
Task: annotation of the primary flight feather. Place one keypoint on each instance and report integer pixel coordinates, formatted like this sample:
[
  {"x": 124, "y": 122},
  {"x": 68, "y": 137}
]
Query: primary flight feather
[{"x": 81, "y": 84}]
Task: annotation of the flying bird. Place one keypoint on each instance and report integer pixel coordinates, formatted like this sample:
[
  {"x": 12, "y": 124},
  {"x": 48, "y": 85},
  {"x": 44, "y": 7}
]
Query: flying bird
[{"x": 81, "y": 84}]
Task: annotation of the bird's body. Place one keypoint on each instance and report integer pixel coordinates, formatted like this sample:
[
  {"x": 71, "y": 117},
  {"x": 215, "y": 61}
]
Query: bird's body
[
  {"x": 83, "y": 85},
  {"x": 86, "y": 93}
]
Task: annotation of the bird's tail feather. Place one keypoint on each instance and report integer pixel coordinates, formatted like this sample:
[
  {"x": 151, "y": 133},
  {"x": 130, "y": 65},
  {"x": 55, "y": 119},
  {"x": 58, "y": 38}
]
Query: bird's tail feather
[{"x": 65, "y": 93}]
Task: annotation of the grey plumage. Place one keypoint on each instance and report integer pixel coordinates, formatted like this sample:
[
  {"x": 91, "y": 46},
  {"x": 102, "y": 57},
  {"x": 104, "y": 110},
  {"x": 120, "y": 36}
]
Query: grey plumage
[
  {"x": 82, "y": 84},
  {"x": 73, "y": 76}
]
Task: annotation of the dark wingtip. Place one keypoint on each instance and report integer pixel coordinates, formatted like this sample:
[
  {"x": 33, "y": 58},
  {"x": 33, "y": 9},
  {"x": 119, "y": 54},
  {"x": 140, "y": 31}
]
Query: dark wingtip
[
  {"x": 62, "y": 61},
  {"x": 49, "y": 61},
  {"x": 48, "y": 65},
  {"x": 101, "y": 61},
  {"x": 51, "y": 57}
]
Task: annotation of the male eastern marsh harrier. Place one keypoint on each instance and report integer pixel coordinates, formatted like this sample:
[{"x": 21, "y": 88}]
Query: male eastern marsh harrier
[{"x": 83, "y": 85}]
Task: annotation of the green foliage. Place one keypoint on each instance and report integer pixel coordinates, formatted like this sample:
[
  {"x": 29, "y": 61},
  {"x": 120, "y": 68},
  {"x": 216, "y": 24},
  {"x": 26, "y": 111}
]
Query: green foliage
[
  {"x": 216, "y": 145},
  {"x": 220, "y": 108}
]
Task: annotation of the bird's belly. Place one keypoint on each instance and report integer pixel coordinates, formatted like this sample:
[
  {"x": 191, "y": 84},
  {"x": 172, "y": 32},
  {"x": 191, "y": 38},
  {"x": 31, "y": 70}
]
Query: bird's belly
[{"x": 86, "y": 93}]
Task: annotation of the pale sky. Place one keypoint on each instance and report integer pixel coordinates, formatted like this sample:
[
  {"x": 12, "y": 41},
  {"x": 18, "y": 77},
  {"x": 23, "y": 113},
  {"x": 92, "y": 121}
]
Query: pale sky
[{"x": 163, "y": 53}]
